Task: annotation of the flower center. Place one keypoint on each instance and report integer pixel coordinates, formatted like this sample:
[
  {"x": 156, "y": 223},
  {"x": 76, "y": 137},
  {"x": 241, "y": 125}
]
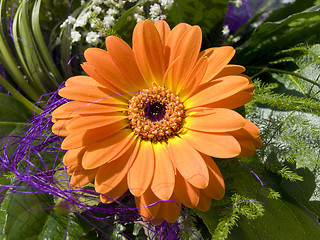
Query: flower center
[{"x": 155, "y": 114}]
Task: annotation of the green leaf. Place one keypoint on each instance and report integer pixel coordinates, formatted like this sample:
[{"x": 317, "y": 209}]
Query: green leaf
[
  {"x": 13, "y": 115},
  {"x": 303, "y": 191},
  {"x": 282, "y": 220},
  {"x": 26, "y": 215},
  {"x": 271, "y": 37},
  {"x": 59, "y": 225}
]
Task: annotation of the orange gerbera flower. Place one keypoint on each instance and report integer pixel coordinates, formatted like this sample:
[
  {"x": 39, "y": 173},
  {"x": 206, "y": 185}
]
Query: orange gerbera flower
[{"x": 148, "y": 119}]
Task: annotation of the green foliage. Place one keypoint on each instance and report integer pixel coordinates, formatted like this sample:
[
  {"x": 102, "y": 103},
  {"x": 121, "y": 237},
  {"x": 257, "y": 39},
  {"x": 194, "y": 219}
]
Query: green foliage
[{"x": 271, "y": 37}]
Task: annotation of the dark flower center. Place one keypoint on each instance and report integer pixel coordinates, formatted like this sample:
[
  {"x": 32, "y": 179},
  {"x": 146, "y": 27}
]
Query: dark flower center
[
  {"x": 155, "y": 114},
  {"x": 155, "y": 111}
]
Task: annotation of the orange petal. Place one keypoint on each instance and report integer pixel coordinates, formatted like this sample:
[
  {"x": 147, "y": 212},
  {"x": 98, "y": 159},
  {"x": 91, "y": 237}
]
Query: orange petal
[
  {"x": 112, "y": 173},
  {"x": 148, "y": 50},
  {"x": 189, "y": 162},
  {"x": 103, "y": 64},
  {"x": 187, "y": 50},
  {"x": 187, "y": 194},
  {"x": 87, "y": 93},
  {"x": 147, "y": 205},
  {"x": 175, "y": 36},
  {"x": 238, "y": 99},
  {"x": 74, "y": 108},
  {"x": 82, "y": 80},
  {"x": 220, "y": 57},
  {"x": 82, "y": 177},
  {"x": 230, "y": 69},
  {"x": 83, "y": 123},
  {"x": 219, "y": 89},
  {"x": 170, "y": 210},
  {"x": 115, "y": 193},
  {"x": 123, "y": 57},
  {"x": 72, "y": 158},
  {"x": 142, "y": 169},
  {"x": 216, "y": 187},
  {"x": 192, "y": 82},
  {"x": 59, "y": 128},
  {"x": 217, "y": 120},
  {"x": 213, "y": 144},
  {"x": 204, "y": 202},
  {"x": 164, "y": 174},
  {"x": 163, "y": 30},
  {"x": 83, "y": 138},
  {"x": 108, "y": 149}
]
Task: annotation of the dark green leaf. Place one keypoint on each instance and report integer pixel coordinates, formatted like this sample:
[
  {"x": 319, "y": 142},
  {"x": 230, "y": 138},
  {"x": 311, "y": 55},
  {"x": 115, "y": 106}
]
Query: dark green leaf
[
  {"x": 26, "y": 215},
  {"x": 13, "y": 115},
  {"x": 271, "y": 37},
  {"x": 302, "y": 191},
  {"x": 282, "y": 220}
]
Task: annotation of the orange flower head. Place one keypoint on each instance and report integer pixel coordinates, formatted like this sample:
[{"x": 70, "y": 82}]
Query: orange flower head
[{"x": 150, "y": 118}]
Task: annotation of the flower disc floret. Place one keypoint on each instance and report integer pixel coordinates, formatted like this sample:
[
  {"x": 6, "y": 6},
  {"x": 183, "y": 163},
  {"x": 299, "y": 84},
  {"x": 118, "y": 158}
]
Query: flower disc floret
[{"x": 155, "y": 114}]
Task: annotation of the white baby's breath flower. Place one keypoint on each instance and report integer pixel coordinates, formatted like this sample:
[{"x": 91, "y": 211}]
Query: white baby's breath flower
[
  {"x": 139, "y": 17},
  {"x": 155, "y": 10},
  {"x": 96, "y": 9},
  {"x": 112, "y": 11},
  {"x": 166, "y": 4},
  {"x": 97, "y": 2},
  {"x": 108, "y": 20},
  {"x": 225, "y": 30},
  {"x": 75, "y": 36},
  {"x": 238, "y": 3},
  {"x": 82, "y": 20},
  {"x": 93, "y": 38}
]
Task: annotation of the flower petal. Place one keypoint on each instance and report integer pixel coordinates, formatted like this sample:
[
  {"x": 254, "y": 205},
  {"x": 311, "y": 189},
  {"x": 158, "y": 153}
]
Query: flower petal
[
  {"x": 187, "y": 194},
  {"x": 164, "y": 174},
  {"x": 148, "y": 50},
  {"x": 188, "y": 162},
  {"x": 59, "y": 128},
  {"x": 220, "y": 57},
  {"x": 213, "y": 144},
  {"x": 82, "y": 80},
  {"x": 204, "y": 202},
  {"x": 108, "y": 149},
  {"x": 236, "y": 100},
  {"x": 89, "y": 93},
  {"x": 216, "y": 187},
  {"x": 230, "y": 69},
  {"x": 82, "y": 177},
  {"x": 75, "y": 108},
  {"x": 83, "y": 123},
  {"x": 123, "y": 57},
  {"x": 217, "y": 120},
  {"x": 187, "y": 50},
  {"x": 144, "y": 161},
  {"x": 147, "y": 205},
  {"x": 112, "y": 173},
  {"x": 115, "y": 193},
  {"x": 218, "y": 89},
  {"x": 103, "y": 64},
  {"x": 83, "y": 138},
  {"x": 163, "y": 30},
  {"x": 170, "y": 209}
]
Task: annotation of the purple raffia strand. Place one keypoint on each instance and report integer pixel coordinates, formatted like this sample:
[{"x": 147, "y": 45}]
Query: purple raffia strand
[
  {"x": 69, "y": 62},
  {"x": 28, "y": 148}
]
